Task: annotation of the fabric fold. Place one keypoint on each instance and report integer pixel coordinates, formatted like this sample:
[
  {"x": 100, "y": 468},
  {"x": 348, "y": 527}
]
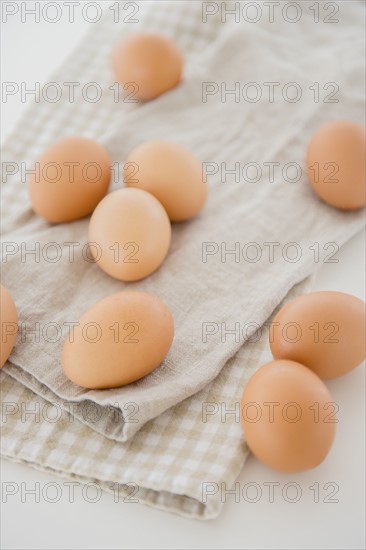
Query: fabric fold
[
  {"x": 253, "y": 241},
  {"x": 175, "y": 462}
]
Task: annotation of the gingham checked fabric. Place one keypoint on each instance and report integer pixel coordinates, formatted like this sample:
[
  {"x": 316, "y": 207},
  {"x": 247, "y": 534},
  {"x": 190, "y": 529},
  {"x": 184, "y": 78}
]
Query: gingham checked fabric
[
  {"x": 172, "y": 456},
  {"x": 262, "y": 212},
  {"x": 47, "y": 122},
  {"x": 169, "y": 462}
]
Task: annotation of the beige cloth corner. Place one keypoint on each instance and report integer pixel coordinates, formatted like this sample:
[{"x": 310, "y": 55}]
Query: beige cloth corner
[
  {"x": 177, "y": 462},
  {"x": 279, "y": 212}
]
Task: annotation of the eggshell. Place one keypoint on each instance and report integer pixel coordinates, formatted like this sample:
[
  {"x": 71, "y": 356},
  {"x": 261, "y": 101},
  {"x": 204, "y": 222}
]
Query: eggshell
[
  {"x": 132, "y": 234},
  {"x": 324, "y": 331},
  {"x": 147, "y": 65},
  {"x": 287, "y": 417},
  {"x": 118, "y": 340},
  {"x": 74, "y": 175},
  {"x": 9, "y": 324},
  {"x": 171, "y": 173},
  {"x": 336, "y": 164}
]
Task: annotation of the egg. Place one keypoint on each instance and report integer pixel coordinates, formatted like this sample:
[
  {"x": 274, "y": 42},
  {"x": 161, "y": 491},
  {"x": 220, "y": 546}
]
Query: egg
[
  {"x": 336, "y": 164},
  {"x": 73, "y": 176},
  {"x": 171, "y": 173},
  {"x": 147, "y": 65},
  {"x": 129, "y": 234},
  {"x": 118, "y": 340},
  {"x": 288, "y": 417},
  {"x": 324, "y": 331},
  {"x": 9, "y": 324}
]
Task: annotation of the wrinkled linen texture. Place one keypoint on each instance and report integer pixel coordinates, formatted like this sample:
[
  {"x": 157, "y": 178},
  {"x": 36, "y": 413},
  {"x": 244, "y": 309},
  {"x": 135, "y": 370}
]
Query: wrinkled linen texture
[
  {"x": 196, "y": 291},
  {"x": 174, "y": 462},
  {"x": 198, "y": 288}
]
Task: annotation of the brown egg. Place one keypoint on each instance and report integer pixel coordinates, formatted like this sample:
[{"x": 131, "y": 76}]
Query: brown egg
[
  {"x": 131, "y": 234},
  {"x": 147, "y": 65},
  {"x": 324, "y": 331},
  {"x": 9, "y": 324},
  {"x": 287, "y": 417},
  {"x": 74, "y": 175},
  {"x": 171, "y": 173},
  {"x": 118, "y": 340},
  {"x": 336, "y": 164}
]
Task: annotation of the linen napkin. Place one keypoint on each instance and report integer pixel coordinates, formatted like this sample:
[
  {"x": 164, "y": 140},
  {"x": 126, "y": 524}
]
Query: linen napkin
[
  {"x": 177, "y": 462},
  {"x": 205, "y": 286}
]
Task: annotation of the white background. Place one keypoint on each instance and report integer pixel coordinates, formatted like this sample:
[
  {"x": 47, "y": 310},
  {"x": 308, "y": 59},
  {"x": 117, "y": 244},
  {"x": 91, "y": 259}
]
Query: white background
[{"x": 30, "y": 53}]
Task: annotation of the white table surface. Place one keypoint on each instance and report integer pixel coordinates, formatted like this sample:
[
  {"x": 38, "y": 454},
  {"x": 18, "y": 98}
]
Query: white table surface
[{"x": 30, "y": 52}]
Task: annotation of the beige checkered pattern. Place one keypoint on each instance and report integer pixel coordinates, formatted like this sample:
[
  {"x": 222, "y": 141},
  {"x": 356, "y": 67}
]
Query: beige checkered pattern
[
  {"x": 172, "y": 456},
  {"x": 46, "y": 122},
  {"x": 169, "y": 459}
]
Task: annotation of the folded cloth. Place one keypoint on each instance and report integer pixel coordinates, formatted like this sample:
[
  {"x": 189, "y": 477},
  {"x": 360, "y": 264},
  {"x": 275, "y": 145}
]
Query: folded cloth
[
  {"x": 277, "y": 230},
  {"x": 176, "y": 462}
]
